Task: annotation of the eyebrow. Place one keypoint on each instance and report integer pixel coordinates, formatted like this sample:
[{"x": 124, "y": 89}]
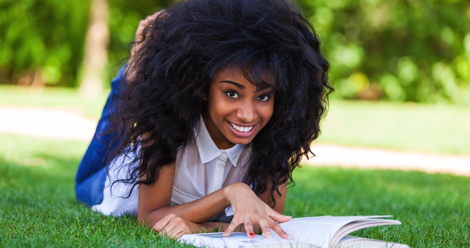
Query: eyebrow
[
  {"x": 243, "y": 87},
  {"x": 264, "y": 87},
  {"x": 236, "y": 84}
]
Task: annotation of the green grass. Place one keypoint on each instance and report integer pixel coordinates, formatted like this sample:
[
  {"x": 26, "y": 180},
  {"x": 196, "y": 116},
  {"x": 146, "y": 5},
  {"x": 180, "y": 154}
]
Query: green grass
[
  {"x": 38, "y": 202},
  {"x": 433, "y": 208},
  {"x": 407, "y": 127},
  {"x": 52, "y": 98},
  {"x": 39, "y": 207}
]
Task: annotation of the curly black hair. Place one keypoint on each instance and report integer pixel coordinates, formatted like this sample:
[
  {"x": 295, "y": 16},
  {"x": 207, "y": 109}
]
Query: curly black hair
[{"x": 181, "y": 52}]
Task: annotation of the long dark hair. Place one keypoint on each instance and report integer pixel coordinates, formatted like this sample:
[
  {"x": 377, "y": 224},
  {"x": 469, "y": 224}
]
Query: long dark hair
[{"x": 179, "y": 55}]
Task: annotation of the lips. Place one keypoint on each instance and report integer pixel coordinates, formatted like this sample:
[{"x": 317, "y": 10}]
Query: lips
[
  {"x": 242, "y": 128},
  {"x": 242, "y": 131}
]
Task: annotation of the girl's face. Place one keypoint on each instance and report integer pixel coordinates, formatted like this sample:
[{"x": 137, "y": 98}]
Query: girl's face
[{"x": 236, "y": 109}]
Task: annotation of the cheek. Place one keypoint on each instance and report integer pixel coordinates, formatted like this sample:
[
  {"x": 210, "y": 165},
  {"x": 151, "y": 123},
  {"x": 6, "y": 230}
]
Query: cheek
[
  {"x": 219, "y": 108},
  {"x": 266, "y": 112}
]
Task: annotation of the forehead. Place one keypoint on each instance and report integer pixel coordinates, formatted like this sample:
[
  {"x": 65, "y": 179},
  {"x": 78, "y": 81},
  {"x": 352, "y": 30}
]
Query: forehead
[
  {"x": 261, "y": 79},
  {"x": 230, "y": 73}
]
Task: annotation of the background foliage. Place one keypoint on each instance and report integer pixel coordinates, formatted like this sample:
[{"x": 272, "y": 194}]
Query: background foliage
[
  {"x": 396, "y": 50},
  {"x": 42, "y": 39},
  {"x": 401, "y": 50},
  {"x": 46, "y": 38}
]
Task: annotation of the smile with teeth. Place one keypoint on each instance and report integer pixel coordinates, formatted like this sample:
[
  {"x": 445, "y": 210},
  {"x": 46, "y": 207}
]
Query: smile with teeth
[{"x": 241, "y": 129}]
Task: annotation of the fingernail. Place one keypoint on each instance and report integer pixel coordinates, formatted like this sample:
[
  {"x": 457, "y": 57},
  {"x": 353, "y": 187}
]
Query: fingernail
[
  {"x": 224, "y": 235},
  {"x": 268, "y": 235},
  {"x": 252, "y": 234},
  {"x": 288, "y": 237}
]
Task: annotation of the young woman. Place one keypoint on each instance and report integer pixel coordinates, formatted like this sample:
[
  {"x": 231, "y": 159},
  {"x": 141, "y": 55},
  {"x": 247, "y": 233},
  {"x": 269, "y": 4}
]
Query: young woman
[{"x": 221, "y": 99}]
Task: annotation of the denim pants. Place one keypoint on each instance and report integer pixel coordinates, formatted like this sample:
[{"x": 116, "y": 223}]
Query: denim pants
[{"x": 91, "y": 173}]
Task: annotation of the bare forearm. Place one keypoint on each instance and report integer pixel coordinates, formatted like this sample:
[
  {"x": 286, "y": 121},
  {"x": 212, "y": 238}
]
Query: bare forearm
[
  {"x": 216, "y": 227},
  {"x": 192, "y": 217},
  {"x": 198, "y": 211},
  {"x": 219, "y": 227}
]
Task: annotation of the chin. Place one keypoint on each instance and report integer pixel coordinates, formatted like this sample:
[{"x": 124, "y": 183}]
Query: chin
[{"x": 242, "y": 141}]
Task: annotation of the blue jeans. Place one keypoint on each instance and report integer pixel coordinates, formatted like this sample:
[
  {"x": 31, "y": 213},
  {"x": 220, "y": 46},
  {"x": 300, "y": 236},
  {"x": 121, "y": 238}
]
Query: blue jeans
[{"x": 91, "y": 173}]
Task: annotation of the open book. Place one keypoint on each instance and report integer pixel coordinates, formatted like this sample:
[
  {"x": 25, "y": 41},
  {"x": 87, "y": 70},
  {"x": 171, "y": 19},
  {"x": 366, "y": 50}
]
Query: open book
[{"x": 323, "y": 231}]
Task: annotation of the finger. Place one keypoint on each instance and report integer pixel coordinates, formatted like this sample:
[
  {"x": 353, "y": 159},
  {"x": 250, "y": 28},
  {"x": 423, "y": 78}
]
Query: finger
[
  {"x": 273, "y": 225},
  {"x": 178, "y": 235},
  {"x": 178, "y": 232},
  {"x": 155, "y": 15},
  {"x": 151, "y": 18},
  {"x": 263, "y": 223},
  {"x": 279, "y": 217},
  {"x": 158, "y": 227},
  {"x": 173, "y": 227},
  {"x": 249, "y": 228},
  {"x": 175, "y": 232},
  {"x": 231, "y": 227},
  {"x": 145, "y": 22}
]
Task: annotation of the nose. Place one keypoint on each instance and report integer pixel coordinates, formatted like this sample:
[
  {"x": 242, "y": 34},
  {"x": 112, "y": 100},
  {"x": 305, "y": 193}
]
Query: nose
[{"x": 247, "y": 111}]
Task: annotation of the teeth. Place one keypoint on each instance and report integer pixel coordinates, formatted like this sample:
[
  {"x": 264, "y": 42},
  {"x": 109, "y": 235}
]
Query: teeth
[{"x": 242, "y": 129}]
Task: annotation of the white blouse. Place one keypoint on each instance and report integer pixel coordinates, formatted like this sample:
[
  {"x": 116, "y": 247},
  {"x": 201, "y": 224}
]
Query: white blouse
[{"x": 201, "y": 168}]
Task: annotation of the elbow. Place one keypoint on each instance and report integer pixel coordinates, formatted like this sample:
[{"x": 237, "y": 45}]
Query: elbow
[
  {"x": 149, "y": 218},
  {"x": 143, "y": 218}
]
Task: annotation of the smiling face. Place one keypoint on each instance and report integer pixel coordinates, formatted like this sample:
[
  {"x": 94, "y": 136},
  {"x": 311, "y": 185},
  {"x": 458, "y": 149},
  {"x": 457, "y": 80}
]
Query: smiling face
[{"x": 236, "y": 109}]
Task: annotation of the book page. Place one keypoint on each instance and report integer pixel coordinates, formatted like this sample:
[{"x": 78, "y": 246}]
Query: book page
[
  {"x": 361, "y": 224},
  {"x": 318, "y": 231},
  {"x": 351, "y": 242},
  {"x": 239, "y": 239},
  {"x": 305, "y": 232}
]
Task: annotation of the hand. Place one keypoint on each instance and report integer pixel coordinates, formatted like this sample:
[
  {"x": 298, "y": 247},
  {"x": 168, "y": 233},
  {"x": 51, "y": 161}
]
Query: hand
[
  {"x": 175, "y": 226},
  {"x": 249, "y": 209},
  {"x": 142, "y": 24},
  {"x": 131, "y": 73}
]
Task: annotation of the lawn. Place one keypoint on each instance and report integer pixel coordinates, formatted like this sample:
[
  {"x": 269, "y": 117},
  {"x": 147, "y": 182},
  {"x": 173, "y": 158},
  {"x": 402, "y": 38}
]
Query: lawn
[
  {"x": 406, "y": 127},
  {"x": 442, "y": 129},
  {"x": 63, "y": 98},
  {"x": 39, "y": 207}
]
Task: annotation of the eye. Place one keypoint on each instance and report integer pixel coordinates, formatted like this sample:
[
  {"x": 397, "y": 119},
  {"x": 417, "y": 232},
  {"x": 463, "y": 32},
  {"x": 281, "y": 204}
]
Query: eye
[
  {"x": 232, "y": 94},
  {"x": 264, "y": 98}
]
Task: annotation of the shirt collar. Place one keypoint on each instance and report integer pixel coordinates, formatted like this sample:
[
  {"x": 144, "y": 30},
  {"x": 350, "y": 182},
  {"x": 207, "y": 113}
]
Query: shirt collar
[{"x": 208, "y": 151}]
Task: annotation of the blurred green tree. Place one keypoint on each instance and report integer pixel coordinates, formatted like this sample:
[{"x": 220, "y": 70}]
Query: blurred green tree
[
  {"x": 397, "y": 50},
  {"x": 400, "y": 50},
  {"x": 124, "y": 17},
  {"x": 96, "y": 50},
  {"x": 41, "y": 41}
]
